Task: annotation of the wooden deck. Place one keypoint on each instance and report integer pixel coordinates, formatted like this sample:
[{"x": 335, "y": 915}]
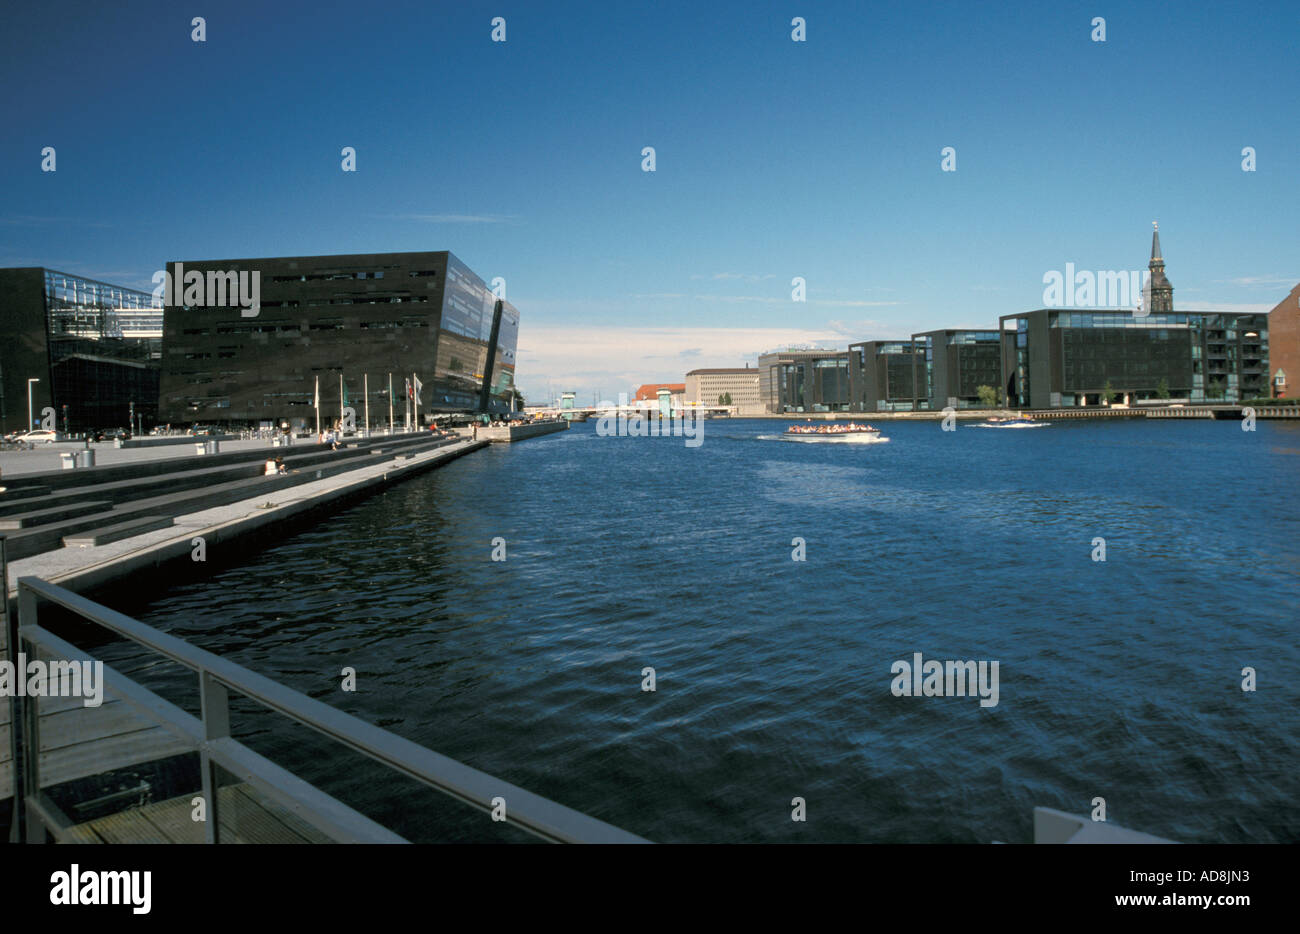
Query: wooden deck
[
  {"x": 244, "y": 817},
  {"x": 79, "y": 741}
]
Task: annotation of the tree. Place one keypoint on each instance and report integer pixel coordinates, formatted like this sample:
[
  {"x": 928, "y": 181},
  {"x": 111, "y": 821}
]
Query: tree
[
  {"x": 1162, "y": 389},
  {"x": 519, "y": 398},
  {"x": 724, "y": 399},
  {"x": 1107, "y": 393},
  {"x": 988, "y": 396}
]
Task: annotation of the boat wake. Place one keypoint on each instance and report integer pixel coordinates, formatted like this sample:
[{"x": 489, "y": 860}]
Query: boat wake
[{"x": 840, "y": 438}]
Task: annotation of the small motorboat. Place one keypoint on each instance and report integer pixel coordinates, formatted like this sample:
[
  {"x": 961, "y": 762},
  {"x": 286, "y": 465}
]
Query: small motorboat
[{"x": 1013, "y": 421}]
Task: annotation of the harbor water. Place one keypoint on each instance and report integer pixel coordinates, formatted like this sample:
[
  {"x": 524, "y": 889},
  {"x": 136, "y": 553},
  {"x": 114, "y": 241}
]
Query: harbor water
[{"x": 1119, "y": 678}]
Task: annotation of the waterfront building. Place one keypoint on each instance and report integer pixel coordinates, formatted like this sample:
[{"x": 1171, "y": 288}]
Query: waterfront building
[
  {"x": 649, "y": 392},
  {"x": 94, "y": 347},
  {"x": 739, "y": 384},
  {"x": 804, "y": 381},
  {"x": 883, "y": 376},
  {"x": 1062, "y": 357},
  {"x": 425, "y": 316},
  {"x": 1284, "y": 347},
  {"x": 953, "y": 364},
  {"x": 1072, "y": 357}
]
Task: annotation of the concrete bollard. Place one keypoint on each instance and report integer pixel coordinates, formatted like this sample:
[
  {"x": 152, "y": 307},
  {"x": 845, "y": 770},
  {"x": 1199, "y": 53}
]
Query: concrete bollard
[{"x": 69, "y": 460}]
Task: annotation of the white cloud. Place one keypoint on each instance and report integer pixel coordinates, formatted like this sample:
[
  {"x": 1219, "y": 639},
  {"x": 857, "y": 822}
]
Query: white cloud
[{"x": 1263, "y": 281}]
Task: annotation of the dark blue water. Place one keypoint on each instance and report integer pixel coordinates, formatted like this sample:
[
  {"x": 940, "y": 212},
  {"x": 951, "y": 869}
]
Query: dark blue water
[{"x": 1119, "y": 679}]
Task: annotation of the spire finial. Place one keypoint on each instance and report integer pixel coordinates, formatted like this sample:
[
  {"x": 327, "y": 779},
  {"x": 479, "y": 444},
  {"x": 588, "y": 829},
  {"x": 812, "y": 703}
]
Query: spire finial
[{"x": 1155, "y": 225}]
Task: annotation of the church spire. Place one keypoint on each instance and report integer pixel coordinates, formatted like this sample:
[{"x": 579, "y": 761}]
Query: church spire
[{"x": 1158, "y": 293}]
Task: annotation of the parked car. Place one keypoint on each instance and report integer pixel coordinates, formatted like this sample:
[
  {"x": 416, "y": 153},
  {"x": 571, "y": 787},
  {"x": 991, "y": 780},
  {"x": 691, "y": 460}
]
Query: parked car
[
  {"x": 202, "y": 430},
  {"x": 38, "y": 437}
]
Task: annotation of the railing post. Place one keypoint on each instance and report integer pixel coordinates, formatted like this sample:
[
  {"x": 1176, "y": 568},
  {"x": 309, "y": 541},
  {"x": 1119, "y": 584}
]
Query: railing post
[
  {"x": 34, "y": 830},
  {"x": 216, "y": 725},
  {"x": 11, "y": 653}
]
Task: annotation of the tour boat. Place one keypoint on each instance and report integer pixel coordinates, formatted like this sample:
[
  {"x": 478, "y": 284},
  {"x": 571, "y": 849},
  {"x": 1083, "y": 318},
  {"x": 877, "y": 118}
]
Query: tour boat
[{"x": 851, "y": 433}]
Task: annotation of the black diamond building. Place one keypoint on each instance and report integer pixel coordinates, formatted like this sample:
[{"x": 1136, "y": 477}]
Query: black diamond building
[{"x": 321, "y": 319}]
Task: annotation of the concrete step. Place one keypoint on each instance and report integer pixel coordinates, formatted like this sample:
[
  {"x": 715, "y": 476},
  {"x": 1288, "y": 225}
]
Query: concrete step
[
  {"x": 26, "y": 520},
  {"x": 48, "y": 537},
  {"x": 114, "y": 533},
  {"x": 186, "y": 475},
  {"x": 60, "y": 479},
  {"x": 20, "y": 490}
]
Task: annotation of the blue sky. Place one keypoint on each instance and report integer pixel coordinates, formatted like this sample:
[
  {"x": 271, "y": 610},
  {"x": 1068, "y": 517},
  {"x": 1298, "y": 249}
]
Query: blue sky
[{"x": 774, "y": 158}]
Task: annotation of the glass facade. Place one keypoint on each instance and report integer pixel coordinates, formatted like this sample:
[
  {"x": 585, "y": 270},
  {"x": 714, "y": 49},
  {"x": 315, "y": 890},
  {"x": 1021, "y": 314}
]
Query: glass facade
[
  {"x": 95, "y": 348},
  {"x": 952, "y": 365},
  {"x": 881, "y": 376},
  {"x": 805, "y": 381},
  {"x": 1083, "y": 357},
  {"x": 463, "y": 336}
]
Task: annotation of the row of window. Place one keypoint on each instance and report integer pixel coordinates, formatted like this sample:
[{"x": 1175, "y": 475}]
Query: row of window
[
  {"x": 320, "y": 324},
  {"x": 332, "y": 274}
]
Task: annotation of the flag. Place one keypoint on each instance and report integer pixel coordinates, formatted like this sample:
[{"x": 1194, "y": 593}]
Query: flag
[
  {"x": 418, "y": 386},
  {"x": 408, "y": 389},
  {"x": 344, "y": 384}
]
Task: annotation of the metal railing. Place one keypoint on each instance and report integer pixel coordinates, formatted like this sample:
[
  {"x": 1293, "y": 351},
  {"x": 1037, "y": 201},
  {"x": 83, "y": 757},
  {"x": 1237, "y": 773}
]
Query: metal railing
[{"x": 210, "y": 735}]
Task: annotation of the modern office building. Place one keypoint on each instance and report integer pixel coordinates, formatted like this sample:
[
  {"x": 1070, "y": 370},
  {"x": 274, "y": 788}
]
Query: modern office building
[
  {"x": 1284, "y": 347},
  {"x": 1073, "y": 357},
  {"x": 804, "y": 381},
  {"x": 91, "y": 351},
  {"x": 882, "y": 376},
  {"x": 321, "y": 319},
  {"x": 737, "y": 385},
  {"x": 953, "y": 364},
  {"x": 1056, "y": 357}
]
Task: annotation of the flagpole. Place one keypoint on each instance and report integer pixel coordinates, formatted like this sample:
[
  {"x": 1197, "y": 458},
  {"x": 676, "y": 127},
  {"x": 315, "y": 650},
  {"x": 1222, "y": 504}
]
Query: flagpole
[
  {"x": 317, "y": 402},
  {"x": 415, "y": 399},
  {"x": 340, "y": 401},
  {"x": 365, "y": 388},
  {"x": 390, "y": 404}
]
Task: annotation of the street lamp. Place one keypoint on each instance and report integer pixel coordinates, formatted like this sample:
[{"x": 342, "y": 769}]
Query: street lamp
[{"x": 29, "y": 401}]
